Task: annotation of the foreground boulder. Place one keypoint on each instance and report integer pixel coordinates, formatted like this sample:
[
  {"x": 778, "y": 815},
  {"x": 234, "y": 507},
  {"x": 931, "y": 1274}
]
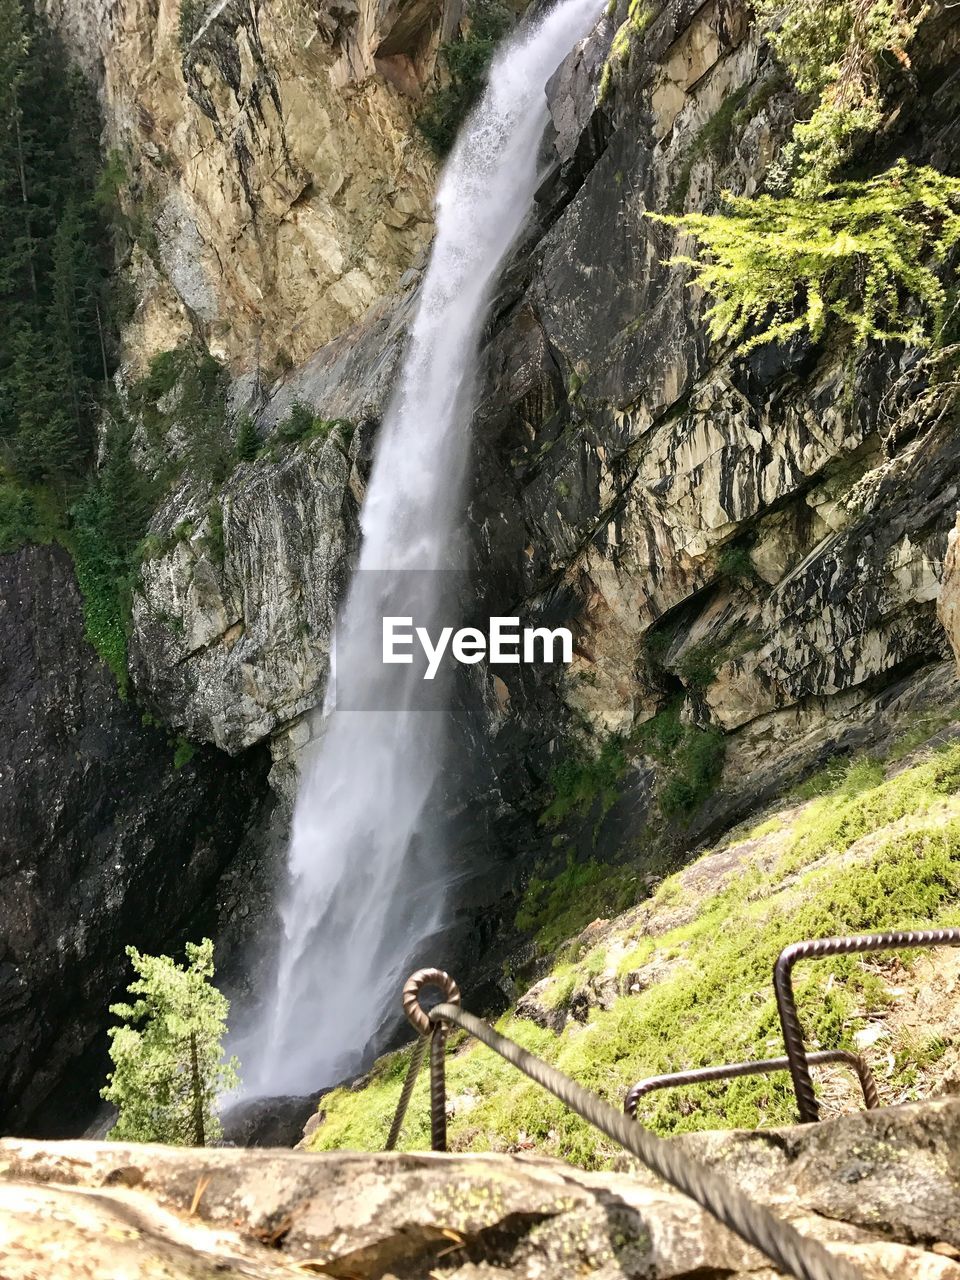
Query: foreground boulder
[{"x": 880, "y": 1188}]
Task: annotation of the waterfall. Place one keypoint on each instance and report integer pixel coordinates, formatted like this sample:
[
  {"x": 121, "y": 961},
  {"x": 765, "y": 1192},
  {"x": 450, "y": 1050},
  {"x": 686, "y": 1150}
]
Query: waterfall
[{"x": 367, "y": 882}]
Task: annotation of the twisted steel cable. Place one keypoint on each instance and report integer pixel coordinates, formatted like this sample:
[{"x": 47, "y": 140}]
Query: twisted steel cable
[
  {"x": 791, "y": 1252},
  {"x": 818, "y": 949},
  {"x": 416, "y": 1062}
]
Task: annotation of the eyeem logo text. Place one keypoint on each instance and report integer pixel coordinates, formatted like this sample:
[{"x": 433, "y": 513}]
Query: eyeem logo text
[{"x": 506, "y": 643}]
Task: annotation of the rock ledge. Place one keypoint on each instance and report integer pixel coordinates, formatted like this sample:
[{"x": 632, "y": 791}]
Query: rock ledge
[{"x": 881, "y": 1188}]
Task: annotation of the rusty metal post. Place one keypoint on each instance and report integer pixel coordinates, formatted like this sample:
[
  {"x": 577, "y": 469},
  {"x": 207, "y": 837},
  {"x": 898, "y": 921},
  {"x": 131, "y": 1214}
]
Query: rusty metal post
[
  {"x": 438, "y": 1088},
  {"x": 818, "y": 949},
  {"x": 764, "y": 1066},
  {"x": 436, "y": 1030}
]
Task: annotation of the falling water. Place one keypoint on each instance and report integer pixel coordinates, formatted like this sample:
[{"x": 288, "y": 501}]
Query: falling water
[{"x": 367, "y": 883}]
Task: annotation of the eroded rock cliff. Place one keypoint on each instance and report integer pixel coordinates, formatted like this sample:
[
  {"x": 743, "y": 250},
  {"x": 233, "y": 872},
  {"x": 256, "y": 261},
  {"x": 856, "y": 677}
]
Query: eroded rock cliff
[
  {"x": 271, "y": 177},
  {"x": 750, "y": 545},
  {"x": 748, "y": 548},
  {"x": 105, "y": 843}
]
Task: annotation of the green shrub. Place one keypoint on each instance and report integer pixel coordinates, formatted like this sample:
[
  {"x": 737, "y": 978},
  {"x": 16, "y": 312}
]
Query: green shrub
[
  {"x": 863, "y": 254},
  {"x": 249, "y": 443},
  {"x": 301, "y": 425},
  {"x": 465, "y": 62},
  {"x": 692, "y": 760},
  {"x": 214, "y": 541},
  {"x": 639, "y": 16},
  {"x": 27, "y": 515},
  {"x": 835, "y": 51},
  {"x": 183, "y": 752},
  {"x": 698, "y": 666},
  {"x": 169, "y": 1070},
  {"x": 579, "y": 782},
  {"x": 734, "y": 564},
  {"x": 712, "y": 140},
  {"x": 555, "y": 910},
  {"x": 298, "y": 422},
  {"x": 161, "y": 377}
]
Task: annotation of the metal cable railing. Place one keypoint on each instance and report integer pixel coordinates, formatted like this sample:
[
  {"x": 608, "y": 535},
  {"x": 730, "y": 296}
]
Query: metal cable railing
[
  {"x": 818, "y": 949},
  {"x": 763, "y": 1067},
  {"x": 791, "y": 1252}
]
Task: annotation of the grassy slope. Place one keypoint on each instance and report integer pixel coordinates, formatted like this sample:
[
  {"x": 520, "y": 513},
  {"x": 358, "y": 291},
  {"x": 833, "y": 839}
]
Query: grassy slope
[{"x": 861, "y": 847}]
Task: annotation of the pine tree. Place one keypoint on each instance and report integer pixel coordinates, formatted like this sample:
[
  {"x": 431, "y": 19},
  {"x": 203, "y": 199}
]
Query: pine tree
[
  {"x": 868, "y": 255},
  {"x": 248, "y": 439},
  {"x": 169, "y": 1070},
  {"x": 54, "y": 254}
]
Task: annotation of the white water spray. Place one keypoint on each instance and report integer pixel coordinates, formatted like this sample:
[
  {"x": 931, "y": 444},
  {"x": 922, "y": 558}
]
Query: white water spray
[{"x": 367, "y": 883}]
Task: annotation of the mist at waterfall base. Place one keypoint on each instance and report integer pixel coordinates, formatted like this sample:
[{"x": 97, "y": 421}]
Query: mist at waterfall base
[{"x": 368, "y": 883}]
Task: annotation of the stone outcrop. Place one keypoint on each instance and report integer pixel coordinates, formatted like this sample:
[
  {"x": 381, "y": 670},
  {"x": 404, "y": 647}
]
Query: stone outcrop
[
  {"x": 877, "y": 1188},
  {"x": 237, "y": 637},
  {"x": 104, "y": 844},
  {"x": 274, "y": 182},
  {"x": 948, "y": 604}
]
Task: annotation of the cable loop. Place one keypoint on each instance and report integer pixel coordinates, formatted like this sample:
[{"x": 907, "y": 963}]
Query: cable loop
[{"x": 416, "y": 1014}]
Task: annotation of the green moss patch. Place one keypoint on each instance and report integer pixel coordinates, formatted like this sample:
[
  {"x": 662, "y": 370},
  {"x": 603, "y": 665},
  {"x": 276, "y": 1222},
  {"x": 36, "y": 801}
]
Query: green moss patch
[{"x": 715, "y": 1002}]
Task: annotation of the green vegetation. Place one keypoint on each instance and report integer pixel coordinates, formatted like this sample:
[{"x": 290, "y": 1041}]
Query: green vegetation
[
  {"x": 168, "y": 1064},
  {"x": 698, "y": 666},
  {"x": 465, "y": 63},
  {"x": 863, "y": 800},
  {"x": 579, "y": 782},
  {"x": 28, "y": 513},
  {"x": 214, "y": 540},
  {"x": 734, "y": 564},
  {"x": 837, "y": 54},
  {"x": 863, "y": 254},
  {"x": 692, "y": 760},
  {"x": 56, "y": 335},
  {"x": 712, "y": 140},
  {"x": 249, "y": 443},
  {"x": 187, "y": 388},
  {"x": 58, "y": 341},
  {"x": 301, "y": 426},
  {"x": 639, "y": 16},
  {"x": 868, "y": 255},
  {"x": 183, "y": 752},
  {"x": 554, "y": 910},
  {"x": 713, "y": 1000},
  {"x": 107, "y": 524}
]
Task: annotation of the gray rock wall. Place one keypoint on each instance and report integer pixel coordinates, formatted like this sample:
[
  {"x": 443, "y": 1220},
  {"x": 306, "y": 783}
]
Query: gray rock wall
[{"x": 103, "y": 844}]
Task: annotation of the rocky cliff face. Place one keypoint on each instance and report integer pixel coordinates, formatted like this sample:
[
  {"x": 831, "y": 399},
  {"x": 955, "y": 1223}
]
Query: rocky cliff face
[
  {"x": 750, "y": 545},
  {"x": 273, "y": 183},
  {"x": 756, "y": 541},
  {"x": 105, "y": 843}
]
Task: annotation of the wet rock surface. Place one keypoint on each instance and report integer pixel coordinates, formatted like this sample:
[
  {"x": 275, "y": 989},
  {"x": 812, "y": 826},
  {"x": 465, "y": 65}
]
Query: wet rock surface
[
  {"x": 878, "y": 1188},
  {"x": 104, "y": 844}
]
